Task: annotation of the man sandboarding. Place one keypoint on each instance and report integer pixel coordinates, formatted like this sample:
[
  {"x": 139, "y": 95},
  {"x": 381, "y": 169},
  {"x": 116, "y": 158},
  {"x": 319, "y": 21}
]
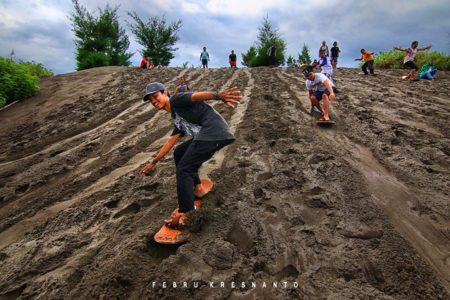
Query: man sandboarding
[
  {"x": 320, "y": 88},
  {"x": 209, "y": 131}
]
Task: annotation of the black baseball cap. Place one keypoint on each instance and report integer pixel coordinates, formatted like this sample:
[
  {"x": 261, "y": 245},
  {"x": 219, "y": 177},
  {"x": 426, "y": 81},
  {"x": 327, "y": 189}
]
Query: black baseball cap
[
  {"x": 153, "y": 88},
  {"x": 307, "y": 70}
]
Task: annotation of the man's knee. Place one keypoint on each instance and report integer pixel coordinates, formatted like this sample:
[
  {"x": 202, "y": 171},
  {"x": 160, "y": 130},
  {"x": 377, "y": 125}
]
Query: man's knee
[
  {"x": 183, "y": 171},
  {"x": 177, "y": 152}
]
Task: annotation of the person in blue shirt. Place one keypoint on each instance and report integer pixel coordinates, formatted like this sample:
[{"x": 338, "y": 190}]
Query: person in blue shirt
[
  {"x": 204, "y": 57},
  {"x": 182, "y": 87}
]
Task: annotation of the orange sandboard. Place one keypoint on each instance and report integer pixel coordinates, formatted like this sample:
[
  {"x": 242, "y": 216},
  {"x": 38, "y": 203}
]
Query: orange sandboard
[
  {"x": 171, "y": 236},
  {"x": 207, "y": 185}
]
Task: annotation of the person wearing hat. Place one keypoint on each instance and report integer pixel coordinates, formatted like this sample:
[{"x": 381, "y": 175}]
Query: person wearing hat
[
  {"x": 320, "y": 88},
  {"x": 191, "y": 116}
]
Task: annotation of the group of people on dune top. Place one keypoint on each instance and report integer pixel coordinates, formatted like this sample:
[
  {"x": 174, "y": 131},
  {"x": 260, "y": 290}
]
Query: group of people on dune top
[
  {"x": 209, "y": 131},
  {"x": 146, "y": 62}
]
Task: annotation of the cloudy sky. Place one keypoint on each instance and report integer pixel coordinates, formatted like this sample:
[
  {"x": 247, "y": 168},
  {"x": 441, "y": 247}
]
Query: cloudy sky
[{"x": 40, "y": 30}]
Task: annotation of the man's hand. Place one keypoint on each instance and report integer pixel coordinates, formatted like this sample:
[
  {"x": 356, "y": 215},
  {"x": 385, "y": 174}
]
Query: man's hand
[
  {"x": 231, "y": 96},
  {"x": 332, "y": 97},
  {"x": 147, "y": 168}
]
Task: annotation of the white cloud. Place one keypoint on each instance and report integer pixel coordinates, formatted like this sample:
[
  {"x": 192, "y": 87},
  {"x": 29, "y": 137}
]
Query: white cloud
[
  {"x": 191, "y": 8},
  {"x": 40, "y": 30},
  {"x": 244, "y": 8},
  {"x": 9, "y": 21}
]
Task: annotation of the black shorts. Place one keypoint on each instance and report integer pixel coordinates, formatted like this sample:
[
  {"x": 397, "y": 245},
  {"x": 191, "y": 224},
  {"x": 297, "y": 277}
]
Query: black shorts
[
  {"x": 411, "y": 65},
  {"x": 319, "y": 94},
  {"x": 204, "y": 62}
]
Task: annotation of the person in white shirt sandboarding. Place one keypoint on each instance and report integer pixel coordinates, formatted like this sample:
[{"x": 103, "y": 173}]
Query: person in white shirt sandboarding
[{"x": 320, "y": 90}]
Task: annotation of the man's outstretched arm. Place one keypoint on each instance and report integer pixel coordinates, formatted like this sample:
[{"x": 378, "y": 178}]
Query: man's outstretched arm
[
  {"x": 231, "y": 96},
  {"x": 164, "y": 150}
]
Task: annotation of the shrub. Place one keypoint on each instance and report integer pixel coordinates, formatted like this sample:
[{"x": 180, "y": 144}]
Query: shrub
[
  {"x": 19, "y": 81},
  {"x": 36, "y": 69},
  {"x": 394, "y": 59}
]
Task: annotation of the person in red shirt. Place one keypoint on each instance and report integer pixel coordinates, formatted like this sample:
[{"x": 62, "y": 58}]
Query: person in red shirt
[{"x": 146, "y": 63}]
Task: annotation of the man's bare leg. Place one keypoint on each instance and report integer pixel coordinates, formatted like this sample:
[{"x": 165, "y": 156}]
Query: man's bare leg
[
  {"x": 315, "y": 103},
  {"x": 326, "y": 107}
]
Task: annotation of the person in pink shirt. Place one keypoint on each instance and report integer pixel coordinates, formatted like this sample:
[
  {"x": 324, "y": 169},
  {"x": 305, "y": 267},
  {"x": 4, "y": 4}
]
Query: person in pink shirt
[{"x": 408, "y": 61}]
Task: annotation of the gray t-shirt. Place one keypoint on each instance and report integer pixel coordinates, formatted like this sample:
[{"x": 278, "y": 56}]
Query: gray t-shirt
[
  {"x": 317, "y": 83},
  {"x": 198, "y": 119}
]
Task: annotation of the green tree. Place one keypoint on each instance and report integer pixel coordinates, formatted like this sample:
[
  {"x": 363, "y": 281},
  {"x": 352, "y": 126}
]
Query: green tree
[
  {"x": 100, "y": 41},
  {"x": 290, "y": 61},
  {"x": 248, "y": 56},
  {"x": 157, "y": 37},
  {"x": 304, "y": 57},
  {"x": 267, "y": 36}
]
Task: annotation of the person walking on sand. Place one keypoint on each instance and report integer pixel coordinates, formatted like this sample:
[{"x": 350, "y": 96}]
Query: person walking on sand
[
  {"x": 320, "y": 88},
  {"x": 408, "y": 61},
  {"x": 204, "y": 57},
  {"x": 334, "y": 55},
  {"x": 182, "y": 86},
  {"x": 367, "y": 56},
  {"x": 324, "y": 49},
  {"x": 191, "y": 116},
  {"x": 232, "y": 59},
  {"x": 272, "y": 53}
]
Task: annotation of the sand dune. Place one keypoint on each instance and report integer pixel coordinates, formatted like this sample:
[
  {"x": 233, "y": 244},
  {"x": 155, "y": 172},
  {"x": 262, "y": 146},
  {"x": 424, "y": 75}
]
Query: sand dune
[{"x": 358, "y": 210}]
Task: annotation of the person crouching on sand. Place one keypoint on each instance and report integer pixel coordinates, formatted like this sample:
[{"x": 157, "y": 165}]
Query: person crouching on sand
[
  {"x": 191, "y": 116},
  {"x": 320, "y": 88},
  {"x": 367, "y": 56},
  {"x": 146, "y": 63}
]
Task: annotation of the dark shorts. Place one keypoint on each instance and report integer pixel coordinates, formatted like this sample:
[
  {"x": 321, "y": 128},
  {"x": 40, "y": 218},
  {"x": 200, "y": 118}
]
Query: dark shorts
[
  {"x": 204, "y": 62},
  {"x": 334, "y": 58},
  {"x": 411, "y": 65},
  {"x": 319, "y": 94}
]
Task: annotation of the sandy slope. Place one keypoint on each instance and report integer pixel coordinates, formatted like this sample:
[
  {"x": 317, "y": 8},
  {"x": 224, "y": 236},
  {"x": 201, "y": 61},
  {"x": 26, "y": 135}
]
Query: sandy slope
[{"x": 360, "y": 210}]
